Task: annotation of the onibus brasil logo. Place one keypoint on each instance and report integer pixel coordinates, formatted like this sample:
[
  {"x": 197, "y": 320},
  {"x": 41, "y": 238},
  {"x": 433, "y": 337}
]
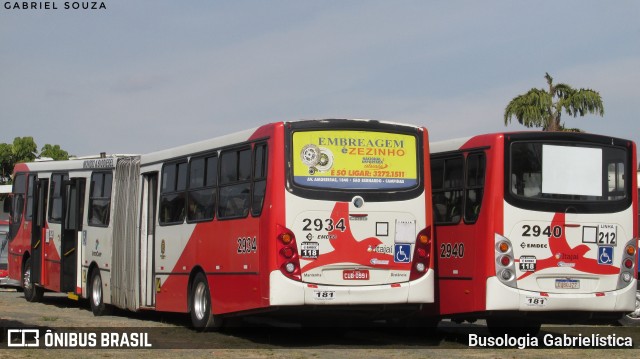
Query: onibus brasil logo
[{"x": 32, "y": 338}]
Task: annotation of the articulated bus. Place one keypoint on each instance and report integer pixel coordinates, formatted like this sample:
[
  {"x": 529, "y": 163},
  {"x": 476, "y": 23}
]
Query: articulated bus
[
  {"x": 329, "y": 214},
  {"x": 534, "y": 222}
]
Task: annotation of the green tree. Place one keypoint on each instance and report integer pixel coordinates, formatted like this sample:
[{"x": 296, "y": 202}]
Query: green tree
[
  {"x": 6, "y": 161},
  {"x": 24, "y": 149},
  {"x": 540, "y": 108},
  {"x": 54, "y": 151}
]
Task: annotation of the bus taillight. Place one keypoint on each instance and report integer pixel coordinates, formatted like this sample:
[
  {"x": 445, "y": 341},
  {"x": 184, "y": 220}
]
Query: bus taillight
[
  {"x": 631, "y": 250},
  {"x": 288, "y": 260},
  {"x": 505, "y": 261},
  {"x": 422, "y": 254},
  {"x": 628, "y": 263},
  {"x": 505, "y": 264},
  {"x": 287, "y": 252}
]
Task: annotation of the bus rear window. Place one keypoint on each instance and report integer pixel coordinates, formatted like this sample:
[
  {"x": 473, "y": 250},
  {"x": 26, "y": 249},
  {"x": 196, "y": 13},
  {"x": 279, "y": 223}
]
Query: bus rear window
[
  {"x": 566, "y": 172},
  {"x": 350, "y": 159}
]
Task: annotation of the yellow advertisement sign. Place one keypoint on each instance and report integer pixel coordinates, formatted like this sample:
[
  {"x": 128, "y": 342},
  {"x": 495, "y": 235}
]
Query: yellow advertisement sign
[{"x": 354, "y": 159}]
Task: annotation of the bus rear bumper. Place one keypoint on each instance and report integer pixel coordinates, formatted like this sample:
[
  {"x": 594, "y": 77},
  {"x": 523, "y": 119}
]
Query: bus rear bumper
[
  {"x": 284, "y": 291},
  {"x": 501, "y": 297}
]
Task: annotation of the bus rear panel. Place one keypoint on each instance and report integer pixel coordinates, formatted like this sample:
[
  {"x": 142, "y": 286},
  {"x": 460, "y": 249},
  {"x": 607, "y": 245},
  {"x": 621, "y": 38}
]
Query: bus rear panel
[
  {"x": 357, "y": 210},
  {"x": 546, "y": 222}
]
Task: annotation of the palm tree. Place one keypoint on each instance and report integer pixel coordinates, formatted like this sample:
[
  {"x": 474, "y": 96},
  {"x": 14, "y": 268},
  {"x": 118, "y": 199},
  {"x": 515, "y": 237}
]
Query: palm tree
[{"x": 539, "y": 108}]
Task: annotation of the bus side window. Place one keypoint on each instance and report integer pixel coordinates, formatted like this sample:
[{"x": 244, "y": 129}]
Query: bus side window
[
  {"x": 31, "y": 184},
  {"x": 474, "y": 186},
  {"x": 17, "y": 204},
  {"x": 447, "y": 187},
  {"x": 6, "y": 208},
  {"x": 203, "y": 179},
  {"x": 100, "y": 199},
  {"x": 172, "y": 194},
  {"x": 259, "y": 178},
  {"x": 235, "y": 183},
  {"x": 55, "y": 196},
  {"x": 437, "y": 183}
]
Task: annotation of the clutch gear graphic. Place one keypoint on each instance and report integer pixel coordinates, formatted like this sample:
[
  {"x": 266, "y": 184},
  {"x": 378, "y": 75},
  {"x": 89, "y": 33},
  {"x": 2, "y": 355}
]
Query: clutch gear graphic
[{"x": 318, "y": 159}]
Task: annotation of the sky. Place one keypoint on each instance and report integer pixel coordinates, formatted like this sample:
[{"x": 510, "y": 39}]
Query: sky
[{"x": 146, "y": 75}]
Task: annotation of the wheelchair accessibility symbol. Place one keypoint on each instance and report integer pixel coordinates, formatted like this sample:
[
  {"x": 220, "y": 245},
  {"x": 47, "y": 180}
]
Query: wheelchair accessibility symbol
[
  {"x": 605, "y": 255},
  {"x": 402, "y": 253}
]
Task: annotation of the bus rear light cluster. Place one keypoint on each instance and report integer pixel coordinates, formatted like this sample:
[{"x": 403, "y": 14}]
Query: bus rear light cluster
[
  {"x": 421, "y": 254},
  {"x": 504, "y": 261},
  {"x": 628, "y": 264},
  {"x": 288, "y": 260}
]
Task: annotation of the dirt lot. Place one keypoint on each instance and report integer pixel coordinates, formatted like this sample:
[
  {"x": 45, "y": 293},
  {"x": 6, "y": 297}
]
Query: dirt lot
[{"x": 259, "y": 337}]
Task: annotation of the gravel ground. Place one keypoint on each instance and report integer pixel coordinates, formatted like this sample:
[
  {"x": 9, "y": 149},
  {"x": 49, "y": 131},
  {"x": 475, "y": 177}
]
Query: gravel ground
[{"x": 265, "y": 338}]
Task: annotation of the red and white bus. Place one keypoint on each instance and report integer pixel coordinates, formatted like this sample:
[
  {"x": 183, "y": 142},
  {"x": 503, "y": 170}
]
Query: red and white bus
[
  {"x": 534, "y": 222},
  {"x": 5, "y": 208},
  {"x": 308, "y": 213},
  {"x": 633, "y": 318}
]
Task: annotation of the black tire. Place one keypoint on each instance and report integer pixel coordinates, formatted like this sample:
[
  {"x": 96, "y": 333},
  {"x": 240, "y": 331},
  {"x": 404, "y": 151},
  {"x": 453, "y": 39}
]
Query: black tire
[
  {"x": 518, "y": 327},
  {"x": 32, "y": 292},
  {"x": 96, "y": 295},
  {"x": 202, "y": 317},
  {"x": 632, "y": 319}
]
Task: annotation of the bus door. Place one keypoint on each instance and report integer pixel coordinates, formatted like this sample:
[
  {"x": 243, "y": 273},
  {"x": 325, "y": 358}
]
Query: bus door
[
  {"x": 147, "y": 237},
  {"x": 73, "y": 206},
  {"x": 458, "y": 189},
  {"x": 38, "y": 226}
]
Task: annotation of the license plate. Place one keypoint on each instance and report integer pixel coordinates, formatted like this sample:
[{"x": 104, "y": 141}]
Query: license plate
[
  {"x": 567, "y": 284},
  {"x": 355, "y": 274}
]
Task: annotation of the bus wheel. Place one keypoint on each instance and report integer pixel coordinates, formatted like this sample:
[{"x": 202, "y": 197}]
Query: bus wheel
[
  {"x": 96, "y": 296},
  {"x": 518, "y": 327},
  {"x": 632, "y": 319},
  {"x": 32, "y": 292},
  {"x": 201, "y": 315}
]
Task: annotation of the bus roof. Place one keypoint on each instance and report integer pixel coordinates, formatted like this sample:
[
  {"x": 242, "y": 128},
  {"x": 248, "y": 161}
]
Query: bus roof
[
  {"x": 448, "y": 145},
  {"x": 72, "y": 164},
  {"x": 226, "y": 140},
  {"x": 196, "y": 147},
  {"x": 457, "y": 143}
]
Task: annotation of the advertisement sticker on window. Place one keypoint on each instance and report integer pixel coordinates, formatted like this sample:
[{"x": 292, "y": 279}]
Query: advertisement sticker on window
[{"x": 354, "y": 160}]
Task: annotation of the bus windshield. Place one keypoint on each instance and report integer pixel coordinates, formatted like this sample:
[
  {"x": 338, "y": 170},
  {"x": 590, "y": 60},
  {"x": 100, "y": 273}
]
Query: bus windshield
[
  {"x": 568, "y": 172},
  {"x": 349, "y": 159}
]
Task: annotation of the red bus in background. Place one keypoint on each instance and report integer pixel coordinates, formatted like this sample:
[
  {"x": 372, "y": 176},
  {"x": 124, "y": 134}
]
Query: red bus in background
[
  {"x": 534, "y": 223},
  {"x": 5, "y": 208},
  {"x": 318, "y": 214}
]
